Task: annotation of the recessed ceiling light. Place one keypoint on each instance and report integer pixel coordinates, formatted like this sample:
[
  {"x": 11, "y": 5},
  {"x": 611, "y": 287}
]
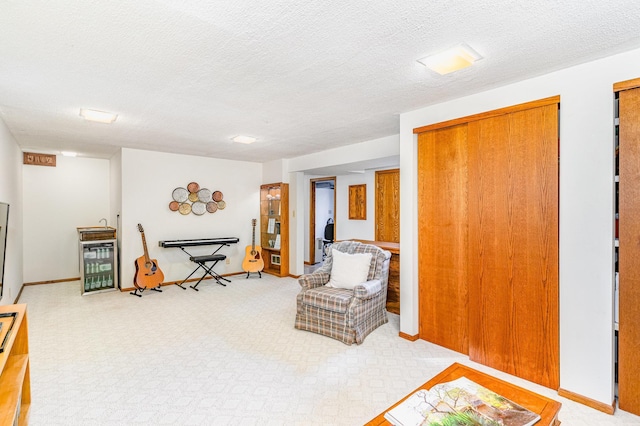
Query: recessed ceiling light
[
  {"x": 244, "y": 139},
  {"x": 98, "y": 116},
  {"x": 450, "y": 60},
  {"x": 69, "y": 153}
]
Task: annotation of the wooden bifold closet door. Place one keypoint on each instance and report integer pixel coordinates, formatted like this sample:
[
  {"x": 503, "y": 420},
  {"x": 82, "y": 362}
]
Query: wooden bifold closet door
[
  {"x": 489, "y": 238},
  {"x": 629, "y": 256}
]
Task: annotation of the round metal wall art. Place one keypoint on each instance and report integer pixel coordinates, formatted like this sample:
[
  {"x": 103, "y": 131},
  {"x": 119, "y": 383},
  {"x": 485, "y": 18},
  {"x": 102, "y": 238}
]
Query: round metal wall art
[
  {"x": 196, "y": 200},
  {"x": 180, "y": 195},
  {"x": 185, "y": 208},
  {"x": 193, "y": 187}
]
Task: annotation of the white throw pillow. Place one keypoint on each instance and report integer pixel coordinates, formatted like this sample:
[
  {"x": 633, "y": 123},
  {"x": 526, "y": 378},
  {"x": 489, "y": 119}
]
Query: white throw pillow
[{"x": 349, "y": 270}]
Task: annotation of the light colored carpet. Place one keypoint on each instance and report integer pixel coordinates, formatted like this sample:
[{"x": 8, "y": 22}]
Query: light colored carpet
[{"x": 223, "y": 355}]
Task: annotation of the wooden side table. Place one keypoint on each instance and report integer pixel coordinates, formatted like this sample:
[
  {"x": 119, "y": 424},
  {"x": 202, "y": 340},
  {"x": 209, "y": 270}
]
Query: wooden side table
[{"x": 547, "y": 408}]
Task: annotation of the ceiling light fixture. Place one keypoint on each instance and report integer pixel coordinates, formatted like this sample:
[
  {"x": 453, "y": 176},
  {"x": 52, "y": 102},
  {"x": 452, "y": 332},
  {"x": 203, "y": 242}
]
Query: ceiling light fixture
[
  {"x": 98, "y": 116},
  {"x": 244, "y": 139},
  {"x": 450, "y": 60},
  {"x": 69, "y": 153}
]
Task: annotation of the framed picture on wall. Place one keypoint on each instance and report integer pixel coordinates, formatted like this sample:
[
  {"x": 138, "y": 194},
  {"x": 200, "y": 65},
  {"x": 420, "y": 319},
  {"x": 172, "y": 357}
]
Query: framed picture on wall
[{"x": 358, "y": 202}]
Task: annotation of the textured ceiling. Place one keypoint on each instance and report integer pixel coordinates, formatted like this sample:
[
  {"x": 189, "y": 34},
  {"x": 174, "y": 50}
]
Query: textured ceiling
[{"x": 301, "y": 76}]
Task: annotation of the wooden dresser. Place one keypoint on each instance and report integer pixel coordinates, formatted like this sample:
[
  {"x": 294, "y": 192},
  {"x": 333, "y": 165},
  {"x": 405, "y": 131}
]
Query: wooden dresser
[{"x": 393, "y": 290}]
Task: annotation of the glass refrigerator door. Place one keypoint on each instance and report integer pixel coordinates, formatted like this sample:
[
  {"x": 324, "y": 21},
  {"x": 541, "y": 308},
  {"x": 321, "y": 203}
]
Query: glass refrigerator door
[{"x": 98, "y": 266}]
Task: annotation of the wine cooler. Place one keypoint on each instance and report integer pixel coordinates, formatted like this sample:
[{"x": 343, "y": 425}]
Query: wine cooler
[{"x": 98, "y": 266}]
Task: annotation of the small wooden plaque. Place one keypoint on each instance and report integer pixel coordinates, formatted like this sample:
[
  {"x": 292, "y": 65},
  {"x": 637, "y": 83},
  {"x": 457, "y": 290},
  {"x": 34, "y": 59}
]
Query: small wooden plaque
[
  {"x": 358, "y": 202},
  {"x": 39, "y": 159}
]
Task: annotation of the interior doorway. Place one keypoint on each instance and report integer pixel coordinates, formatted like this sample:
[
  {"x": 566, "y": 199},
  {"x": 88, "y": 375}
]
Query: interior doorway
[{"x": 322, "y": 217}]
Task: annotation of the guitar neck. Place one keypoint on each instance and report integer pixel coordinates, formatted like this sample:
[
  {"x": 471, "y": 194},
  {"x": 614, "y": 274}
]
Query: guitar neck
[
  {"x": 144, "y": 246},
  {"x": 253, "y": 238}
]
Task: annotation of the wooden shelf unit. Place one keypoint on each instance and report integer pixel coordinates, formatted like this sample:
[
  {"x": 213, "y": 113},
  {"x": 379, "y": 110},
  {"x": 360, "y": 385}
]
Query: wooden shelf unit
[
  {"x": 15, "y": 383},
  {"x": 274, "y": 226}
]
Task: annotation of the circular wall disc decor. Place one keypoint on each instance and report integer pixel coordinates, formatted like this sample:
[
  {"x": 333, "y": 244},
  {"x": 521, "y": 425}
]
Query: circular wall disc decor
[
  {"x": 185, "y": 208},
  {"x": 180, "y": 195},
  {"x": 196, "y": 200},
  {"x": 198, "y": 208},
  {"x": 193, "y": 187},
  {"x": 212, "y": 207},
  {"x": 204, "y": 195},
  {"x": 217, "y": 196}
]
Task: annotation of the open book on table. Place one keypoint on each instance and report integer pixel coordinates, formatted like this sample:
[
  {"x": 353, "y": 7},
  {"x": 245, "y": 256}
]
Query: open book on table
[{"x": 459, "y": 402}]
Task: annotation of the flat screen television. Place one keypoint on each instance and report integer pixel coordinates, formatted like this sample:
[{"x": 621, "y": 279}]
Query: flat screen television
[{"x": 4, "y": 223}]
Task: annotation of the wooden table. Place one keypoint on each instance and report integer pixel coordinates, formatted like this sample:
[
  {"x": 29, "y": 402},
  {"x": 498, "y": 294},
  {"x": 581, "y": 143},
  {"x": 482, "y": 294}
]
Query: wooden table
[{"x": 547, "y": 408}]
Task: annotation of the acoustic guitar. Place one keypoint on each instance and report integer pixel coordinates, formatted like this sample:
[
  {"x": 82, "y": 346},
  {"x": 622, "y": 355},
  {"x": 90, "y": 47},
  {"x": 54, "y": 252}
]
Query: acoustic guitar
[
  {"x": 253, "y": 261},
  {"x": 148, "y": 274}
]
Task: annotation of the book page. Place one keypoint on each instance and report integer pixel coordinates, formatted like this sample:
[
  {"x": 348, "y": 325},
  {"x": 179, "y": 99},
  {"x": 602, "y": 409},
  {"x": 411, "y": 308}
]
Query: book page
[{"x": 460, "y": 402}]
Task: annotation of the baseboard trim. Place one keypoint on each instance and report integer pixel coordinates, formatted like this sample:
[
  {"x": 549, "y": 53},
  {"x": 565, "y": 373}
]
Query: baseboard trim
[
  {"x": 190, "y": 280},
  {"x": 62, "y": 280},
  {"x": 600, "y": 406},
  {"x": 408, "y": 336},
  {"x": 19, "y": 294}
]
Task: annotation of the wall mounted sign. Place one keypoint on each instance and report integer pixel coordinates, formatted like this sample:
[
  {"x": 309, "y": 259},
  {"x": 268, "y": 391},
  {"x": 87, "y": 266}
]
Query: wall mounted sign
[
  {"x": 196, "y": 200},
  {"x": 38, "y": 159}
]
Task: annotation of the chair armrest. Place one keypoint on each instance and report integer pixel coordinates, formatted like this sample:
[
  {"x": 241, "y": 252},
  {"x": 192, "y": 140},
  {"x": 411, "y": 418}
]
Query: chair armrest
[
  {"x": 367, "y": 289},
  {"x": 316, "y": 279}
]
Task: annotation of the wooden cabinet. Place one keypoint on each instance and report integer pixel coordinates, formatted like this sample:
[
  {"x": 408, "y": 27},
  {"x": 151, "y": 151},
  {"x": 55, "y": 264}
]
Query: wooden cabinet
[
  {"x": 629, "y": 250},
  {"x": 274, "y": 228},
  {"x": 393, "y": 287},
  {"x": 15, "y": 385}
]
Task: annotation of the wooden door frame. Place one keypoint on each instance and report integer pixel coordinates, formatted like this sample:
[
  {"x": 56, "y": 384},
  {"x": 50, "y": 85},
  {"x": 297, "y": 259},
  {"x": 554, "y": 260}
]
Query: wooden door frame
[{"x": 312, "y": 214}]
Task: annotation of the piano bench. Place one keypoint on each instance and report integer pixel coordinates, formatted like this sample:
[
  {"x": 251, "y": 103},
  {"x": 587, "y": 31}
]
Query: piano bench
[
  {"x": 208, "y": 270},
  {"x": 208, "y": 258}
]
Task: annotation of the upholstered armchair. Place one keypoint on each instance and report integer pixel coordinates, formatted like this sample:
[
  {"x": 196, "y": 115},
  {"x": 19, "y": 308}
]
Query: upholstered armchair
[{"x": 346, "y": 297}]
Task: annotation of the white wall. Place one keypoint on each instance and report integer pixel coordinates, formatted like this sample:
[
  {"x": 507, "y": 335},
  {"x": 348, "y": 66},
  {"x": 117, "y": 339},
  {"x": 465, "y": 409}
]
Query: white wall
[
  {"x": 11, "y": 192},
  {"x": 355, "y": 229},
  {"x": 298, "y": 231},
  {"x": 57, "y": 200},
  {"x": 371, "y": 150},
  {"x": 275, "y": 171},
  {"x": 149, "y": 179},
  {"x": 115, "y": 188},
  {"x": 586, "y": 209}
]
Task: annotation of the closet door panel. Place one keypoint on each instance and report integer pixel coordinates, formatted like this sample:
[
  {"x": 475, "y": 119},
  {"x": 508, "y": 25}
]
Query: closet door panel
[
  {"x": 490, "y": 243},
  {"x": 513, "y": 244},
  {"x": 629, "y": 254},
  {"x": 442, "y": 239}
]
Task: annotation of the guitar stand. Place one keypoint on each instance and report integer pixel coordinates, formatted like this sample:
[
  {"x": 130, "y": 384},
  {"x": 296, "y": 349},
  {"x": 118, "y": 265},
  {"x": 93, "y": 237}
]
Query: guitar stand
[
  {"x": 135, "y": 292},
  {"x": 259, "y": 274}
]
